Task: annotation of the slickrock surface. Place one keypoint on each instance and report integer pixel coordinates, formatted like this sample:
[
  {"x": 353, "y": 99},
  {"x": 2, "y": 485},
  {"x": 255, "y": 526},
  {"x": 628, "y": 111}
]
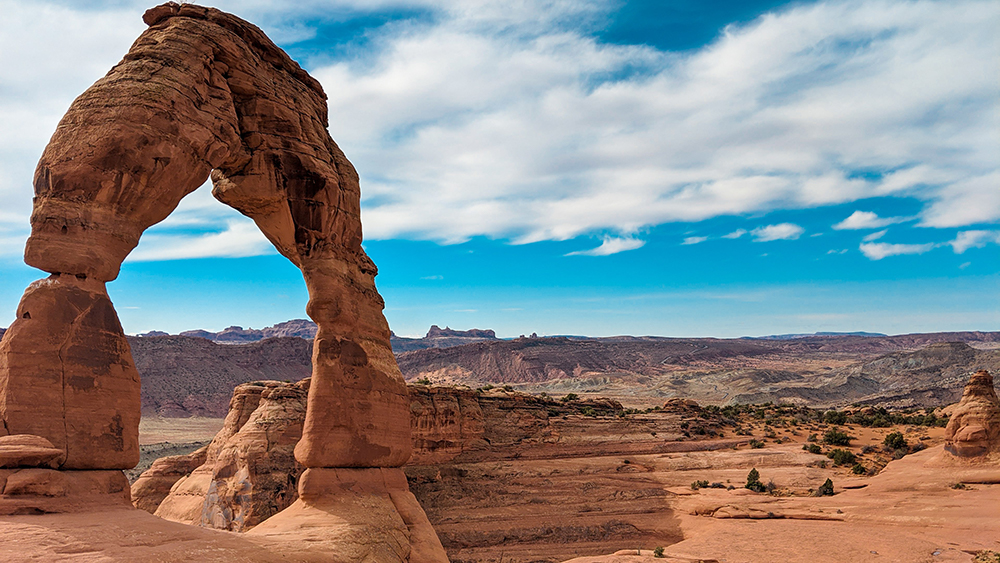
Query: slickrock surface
[
  {"x": 974, "y": 427},
  {"x": 25, "y": 450}
]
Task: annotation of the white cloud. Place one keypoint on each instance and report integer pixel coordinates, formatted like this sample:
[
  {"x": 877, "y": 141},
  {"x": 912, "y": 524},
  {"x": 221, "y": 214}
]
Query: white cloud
[
  {"x": 965, "y": 240},
  {"x": 611, "y": 245},
  {"x": 875, "y": 236},
  {"x": 880, "y": 250},
  {"x": 866, "y": 220},
  {"x": 735, "y": 234},
  {"x": 694, "y": 240},
  {"x": 240, "y": 238},
  {"x": 781, "y": 231},
  {"x": 841, "y": 251},
  {"x": 508, "y": 120}
]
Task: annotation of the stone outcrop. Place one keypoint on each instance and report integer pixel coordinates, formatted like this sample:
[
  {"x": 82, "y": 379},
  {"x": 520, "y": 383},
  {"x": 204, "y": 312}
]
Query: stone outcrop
[
  {"x": 155, "y": 483},
  {"x": 974, "y": 426},
  {"x": 202, "y": 94}
]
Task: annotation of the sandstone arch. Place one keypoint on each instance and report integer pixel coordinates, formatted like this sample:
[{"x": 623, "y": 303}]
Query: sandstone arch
[{"x": 202, "y": 94}]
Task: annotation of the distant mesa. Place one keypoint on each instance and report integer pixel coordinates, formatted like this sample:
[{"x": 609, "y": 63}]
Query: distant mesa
[
  {"x": 812, "y": 334},
  {"x": 437, "y": 332}
]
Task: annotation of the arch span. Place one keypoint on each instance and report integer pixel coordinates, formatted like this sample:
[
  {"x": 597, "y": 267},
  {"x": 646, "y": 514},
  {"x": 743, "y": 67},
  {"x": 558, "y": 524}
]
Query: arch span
[{"x": 200, "y": 94}]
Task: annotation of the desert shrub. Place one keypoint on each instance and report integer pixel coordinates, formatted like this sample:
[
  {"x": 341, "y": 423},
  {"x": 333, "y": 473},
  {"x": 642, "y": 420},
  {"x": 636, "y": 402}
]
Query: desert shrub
[
  {"x": 717, "y": 486},
  {"x": 812, "y": 438},
  {"x": 770, "y": 486},
  {"x": 699, "y": 485},
  {"x": 835, "y": 417},
  {"x": 486, "y": 387},
  {"x": 753, "y": 481},
  {"x": 895, "y": 441},
  {"x": 859, "y": 469},
  {"x": 588, "y": 411},
  {"x": 868, "y": 449},
  {"x": 917, "y": 447},
  {"x": 756, "y": 444},
  {"x": 570, "y": 397},
  {"x": 813, "y": 449},
  {"x": 900, "y": 453},
  {"x": 423, "y": 381},
  {"x": 685, "y": 425},
  {"x": 842, "y": 457},
  {"x": 959, "y": 486},
  {"x": 658, "y": 551},
  {"x": 826, "y": 489},
  {"x": 508, "y": 388},
  {"x": 837, "y": 437},
  {"x": 987, "y": 556}
]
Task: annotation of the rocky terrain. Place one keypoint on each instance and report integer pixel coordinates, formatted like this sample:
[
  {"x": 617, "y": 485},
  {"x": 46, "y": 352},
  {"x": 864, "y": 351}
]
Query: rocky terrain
[
  {"x": 907, "y": 370},
  {"x": 539, "y": 479}
]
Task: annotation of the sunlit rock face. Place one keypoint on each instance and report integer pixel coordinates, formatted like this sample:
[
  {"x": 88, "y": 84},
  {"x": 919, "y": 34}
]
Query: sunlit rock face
[
  {"x": 974, "y": 427},
  {"x": 200, "y": 94}
]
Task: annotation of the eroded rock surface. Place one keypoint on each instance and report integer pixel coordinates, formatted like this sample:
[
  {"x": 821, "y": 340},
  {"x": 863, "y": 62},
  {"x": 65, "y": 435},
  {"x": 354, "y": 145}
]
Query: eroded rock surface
[
  {"x": 974, "y": 427},
  {"x": 200, "y": 94}
]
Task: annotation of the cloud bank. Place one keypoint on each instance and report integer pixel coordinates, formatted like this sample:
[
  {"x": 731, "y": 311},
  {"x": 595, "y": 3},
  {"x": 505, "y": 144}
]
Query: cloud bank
[{"x": 515, "y": 123}]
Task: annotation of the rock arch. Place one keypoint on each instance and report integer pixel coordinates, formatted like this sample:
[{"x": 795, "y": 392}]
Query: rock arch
[{"x": 202, "y": 94}]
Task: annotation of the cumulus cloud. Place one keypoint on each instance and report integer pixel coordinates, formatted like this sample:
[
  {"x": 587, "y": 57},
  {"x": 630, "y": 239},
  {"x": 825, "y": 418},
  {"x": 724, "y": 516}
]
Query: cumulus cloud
[
  {"x": 880, "y": 250},
  {"x": 611, "y": 245},
  {"x": 240, "y": 238},
  {"x": 694, "y": 240},
  {"x": 735, "y": 234},
  {"x": 513, "y": 122},
  {"x": 866, "y": 220},
  {"x": 781, "y": 231},
  {"x": 965, "y": 240}
]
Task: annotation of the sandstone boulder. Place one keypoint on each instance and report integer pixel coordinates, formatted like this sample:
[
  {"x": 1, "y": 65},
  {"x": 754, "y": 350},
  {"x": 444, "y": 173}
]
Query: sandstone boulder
[
  {"x": 974, "y": 427},
  {"x": 155, "y": 483},
  {"x": 25, "y": 450}
]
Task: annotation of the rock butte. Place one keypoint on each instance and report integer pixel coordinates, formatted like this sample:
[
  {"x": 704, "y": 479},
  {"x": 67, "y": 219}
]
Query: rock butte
[
  {"x": 202, "y": 94},
  {"x": 974, "y": 427}
]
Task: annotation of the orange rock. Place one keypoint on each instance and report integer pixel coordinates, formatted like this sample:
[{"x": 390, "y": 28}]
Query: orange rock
[
  {"x": 200, "y": 94},
  {"x": 25, "y": 450},
  {"x": 66, "y": 374},
  {"x": 155, "y": 483},
  {"x": 974, "y": 427}
]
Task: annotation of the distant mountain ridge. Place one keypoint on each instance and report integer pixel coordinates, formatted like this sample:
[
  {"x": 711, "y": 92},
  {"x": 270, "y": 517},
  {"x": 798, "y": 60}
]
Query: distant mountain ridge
[
  {"x": 808, "y": 335},
  {"x": 436, "y": 336}
]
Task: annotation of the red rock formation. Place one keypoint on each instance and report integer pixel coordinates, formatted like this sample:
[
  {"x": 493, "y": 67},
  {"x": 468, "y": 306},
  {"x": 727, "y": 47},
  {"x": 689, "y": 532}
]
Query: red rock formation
[
  {"x": 155, "y": 483},
  {"x": 974, "y": 427},
  {"x": 201, "y": 93}
]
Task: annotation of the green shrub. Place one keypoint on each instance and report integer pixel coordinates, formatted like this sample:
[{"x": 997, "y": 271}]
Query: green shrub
[
  {"x": 826, "y": 489},
  {"x": 859, "y": 469},
  {"x": 699, "y": 485},
  {"x": 836, "y": 437},
  {"x": 842, "y": 457},
  {"x": 588, "y": 411},
  {"x": 814, "y": 449},
  {"x": 570, "y": 397},
  {"x": 658, "y": 552},
  {"x": 423, "y": 381},
  {"x": 895, "y": 441},
  {"x": 753, "y": 481},
  {"x": 756, "y": 444}
]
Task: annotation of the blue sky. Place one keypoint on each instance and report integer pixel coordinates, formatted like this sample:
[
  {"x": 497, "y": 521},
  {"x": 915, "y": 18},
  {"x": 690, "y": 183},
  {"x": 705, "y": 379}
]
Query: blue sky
[{"x": 563, "y": 167}]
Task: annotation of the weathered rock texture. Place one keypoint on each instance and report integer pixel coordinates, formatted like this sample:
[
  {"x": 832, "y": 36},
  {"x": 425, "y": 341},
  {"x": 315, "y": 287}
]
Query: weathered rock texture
[
  {"x": 974, "y": 427},
  {"x": 249, "y": 472},
  {"x": 200, "y": 93}
]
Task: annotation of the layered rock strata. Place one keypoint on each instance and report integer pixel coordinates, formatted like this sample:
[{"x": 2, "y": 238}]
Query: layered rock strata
[
  {"x": 203, "y": 93},
  {"x": 974, "y": 427}
]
